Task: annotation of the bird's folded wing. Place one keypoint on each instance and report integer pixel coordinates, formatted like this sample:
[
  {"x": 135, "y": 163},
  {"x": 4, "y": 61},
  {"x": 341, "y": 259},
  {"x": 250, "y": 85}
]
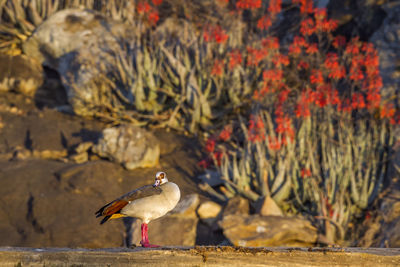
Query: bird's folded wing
[{"x": 119, "y": 203}]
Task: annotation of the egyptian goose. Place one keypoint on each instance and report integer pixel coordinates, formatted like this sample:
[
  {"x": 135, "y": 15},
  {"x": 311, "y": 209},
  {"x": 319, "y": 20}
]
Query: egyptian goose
[{"x": 146, "y": 203}]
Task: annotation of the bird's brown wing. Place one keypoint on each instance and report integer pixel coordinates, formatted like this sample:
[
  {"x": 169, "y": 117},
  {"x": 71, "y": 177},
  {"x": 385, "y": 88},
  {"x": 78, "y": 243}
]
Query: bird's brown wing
[{"x": 116, "y": 205}]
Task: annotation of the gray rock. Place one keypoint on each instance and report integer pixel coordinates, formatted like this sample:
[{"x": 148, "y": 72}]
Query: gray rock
[
  {"x": 81, "y": 45},
  {"x": 266, "y": 231},
  {"x": 131, "y": 146},
  {"x": 20, "y": 74}
]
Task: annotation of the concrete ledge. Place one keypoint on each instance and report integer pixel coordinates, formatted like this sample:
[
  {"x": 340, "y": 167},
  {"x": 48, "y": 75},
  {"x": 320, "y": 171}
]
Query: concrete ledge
[{"x": 199, "y": 256}]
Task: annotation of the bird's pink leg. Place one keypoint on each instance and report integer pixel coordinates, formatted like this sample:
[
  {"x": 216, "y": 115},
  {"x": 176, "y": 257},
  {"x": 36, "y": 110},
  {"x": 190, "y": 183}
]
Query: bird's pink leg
[{"x": 145, "y": 238}]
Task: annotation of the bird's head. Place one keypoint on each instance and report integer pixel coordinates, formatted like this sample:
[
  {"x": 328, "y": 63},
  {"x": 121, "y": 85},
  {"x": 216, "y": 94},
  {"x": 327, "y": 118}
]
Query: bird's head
[{"x": 161, "y": 178}]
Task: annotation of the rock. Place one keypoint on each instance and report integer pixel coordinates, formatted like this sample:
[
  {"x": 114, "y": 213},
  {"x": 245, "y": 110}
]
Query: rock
[
  {"x": 209, "y": 209},
  {"x": 81, "y": 45},
  {"x": 128, "y": 145},
  {"x": 266, "y": 231},
  {"x": 237, "y": 205},
  {"x": 20, "y": 74},
  {"x": 187, "y": 206},
  {"x": 174, "y": 229},
  {"x": 44, "y": 210},
  {"x": 386, "y": 40},
  {"x": 267, "y": 206}
]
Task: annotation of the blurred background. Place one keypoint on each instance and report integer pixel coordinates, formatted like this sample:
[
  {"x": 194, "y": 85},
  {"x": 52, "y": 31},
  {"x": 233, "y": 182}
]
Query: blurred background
[{"x": 278, "y": 119}]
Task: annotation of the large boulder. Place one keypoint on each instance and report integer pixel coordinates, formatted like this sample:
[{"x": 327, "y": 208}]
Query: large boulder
[
  {"x": 131, "y": 146},
  {"x": 40, "y": 209},
  {"x": 268, "y": 231},
  {"x": 82, "y": 46}
]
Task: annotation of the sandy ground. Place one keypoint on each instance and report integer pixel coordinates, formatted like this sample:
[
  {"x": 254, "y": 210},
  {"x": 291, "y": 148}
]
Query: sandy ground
[{"x": 200, "y": 256}]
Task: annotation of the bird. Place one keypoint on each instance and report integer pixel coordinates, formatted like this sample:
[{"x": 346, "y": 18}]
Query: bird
[{"x": 146, "y": 203}]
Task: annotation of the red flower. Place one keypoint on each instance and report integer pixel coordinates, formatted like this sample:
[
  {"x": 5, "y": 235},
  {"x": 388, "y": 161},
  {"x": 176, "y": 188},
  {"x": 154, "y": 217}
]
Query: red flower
[
  {"x": 270, "y": 43},
  {"x": 210, "y": 145},
  {"x": 320, "y": 14},
  {"x": 205, "y": 163},
  {"x": 275, "y": 7},
  {"x": 335, "y": 70},
  {"x": 302, "y": 65},
  {"x": 215, "y": 33},
  {"x": 357, "y": 101},
  {"x": 280, "y": 60},
  {"x": 274, "y": 143},
  {"x": 303, "y": 105},
  {"x": 157, "y": 2},
  {"x": 387, "y": 111},
  {"x": 226, "y": 133},
  {"x": 256, "y": 129},
  {"x": 217, "y": 155},
  {"x": 264, "y": 22},
  {"x": 235, "y": 59},
  {"x": 312, "y": 49},
  {"x": 143, "y": 7},
  {"x": 339, "y": 41},
  {"x": 248, "y": 4},
  {"x": 255, "y": 56},
  {"x": 307, "y": 27},
  {"x": 353, "y": 47},
  {"x": 373, "y": 99},
  {"x": 284, "y": 126},
  {"x": 272, "y": 75},
  {"x": 306, "y": 6},
  {"x": 316, "y": 77},
  {"x": 153, "y": 17},
  {"x": 304, "y": 173},
  {"x": 218, "y": 68}
]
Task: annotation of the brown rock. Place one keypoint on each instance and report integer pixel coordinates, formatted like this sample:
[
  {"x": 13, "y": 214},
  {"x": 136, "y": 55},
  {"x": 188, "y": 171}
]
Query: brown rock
[
  {"x": 236, "y": 205},
  {"x": 264, "y": 231},
  {"x": 20, "y": 74}
]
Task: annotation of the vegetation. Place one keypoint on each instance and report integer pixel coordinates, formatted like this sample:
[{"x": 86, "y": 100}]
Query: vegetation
[{"x": 299, "y": 118}]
